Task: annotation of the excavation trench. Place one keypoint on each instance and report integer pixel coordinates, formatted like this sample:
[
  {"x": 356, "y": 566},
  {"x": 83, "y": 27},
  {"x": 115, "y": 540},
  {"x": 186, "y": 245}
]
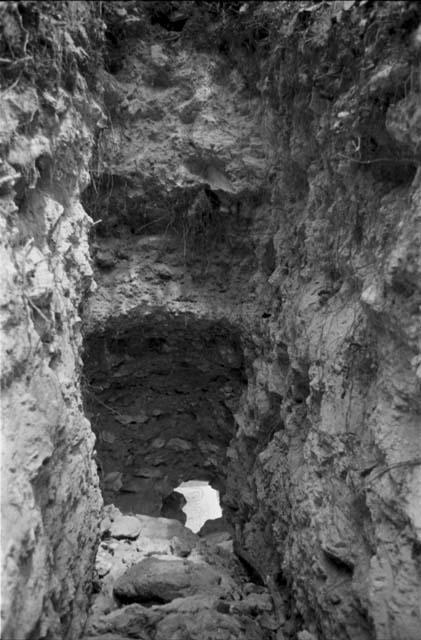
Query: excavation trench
[
  {"x": 251, "y": 163},
  {"x": 160, "y": 393}
]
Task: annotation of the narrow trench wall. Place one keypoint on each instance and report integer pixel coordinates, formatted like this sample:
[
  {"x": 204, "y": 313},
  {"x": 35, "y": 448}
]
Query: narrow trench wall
[
  {"x": 255, "y": 193},
  {"x": 51, "y": 501}
]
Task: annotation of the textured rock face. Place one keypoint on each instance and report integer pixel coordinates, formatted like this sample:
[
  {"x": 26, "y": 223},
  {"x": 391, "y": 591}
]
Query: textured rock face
[
  {"x": 154, "y": 579},
  {"x": 308, "y": 241},
  {"x": 256, "y": 199},
  {"x": 50, "y": 495},
  {"x": 333, "y": 478},
  {"x": 329, "y": 444}
]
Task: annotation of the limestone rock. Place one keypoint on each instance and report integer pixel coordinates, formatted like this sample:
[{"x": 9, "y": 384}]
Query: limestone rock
[
  {"x": 189, "y": 110},
  {"x": 132, "y": 621},
  {"x": 39, "y": 277},
  {"x": 181, "y": 539},
  {"x": 195, "y": 615},
  {"x": 114, "y": 636},
  {"x": 207, "y": 624},
  {"x": 179, "y": 444},
  {"x": 164, "y": 580},
  {"x": 108, "y": 436},
  {"x": 306, "y": 635},
  {"x": 253, "y": 604},
  {"x": 51, "y": 501},
  {"x": 404, "y": 122},
  {"x": 159, "y": 58},
  {"x": 217, "y": 525},
  {"x": 105, "y": 259},
  {"x": 125, "y": 527},
  {"x": 113, "y": 480}
]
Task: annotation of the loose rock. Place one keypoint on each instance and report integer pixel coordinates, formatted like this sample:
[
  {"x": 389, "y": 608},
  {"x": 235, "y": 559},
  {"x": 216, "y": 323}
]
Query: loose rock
[{"x": 125, "y": 527}]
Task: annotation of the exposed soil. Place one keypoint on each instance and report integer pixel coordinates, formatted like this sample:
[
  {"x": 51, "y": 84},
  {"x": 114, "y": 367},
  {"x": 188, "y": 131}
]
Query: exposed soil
[{"x": 211, "y": 250}]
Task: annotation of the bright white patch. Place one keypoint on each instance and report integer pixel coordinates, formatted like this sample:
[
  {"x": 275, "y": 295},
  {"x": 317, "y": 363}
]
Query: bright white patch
[{"x": 202, "y": 503}]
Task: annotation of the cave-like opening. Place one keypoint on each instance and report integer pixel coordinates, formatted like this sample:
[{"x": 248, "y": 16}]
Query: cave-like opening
[
  {"x": 201, "y": 503},
  {"x": 160, "y": 392}
]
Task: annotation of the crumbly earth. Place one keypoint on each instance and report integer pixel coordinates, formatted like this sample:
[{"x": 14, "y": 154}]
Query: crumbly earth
[
  {"x": 256, "y": 242},
  {"x": 51, "y": 501}
]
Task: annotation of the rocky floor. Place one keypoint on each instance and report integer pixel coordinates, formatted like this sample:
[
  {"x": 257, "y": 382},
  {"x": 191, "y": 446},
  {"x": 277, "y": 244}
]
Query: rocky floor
[{"x": 157, "y": 580}]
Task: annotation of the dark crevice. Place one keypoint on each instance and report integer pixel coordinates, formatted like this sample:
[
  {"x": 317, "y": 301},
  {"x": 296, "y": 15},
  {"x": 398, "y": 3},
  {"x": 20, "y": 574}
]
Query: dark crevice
[
  {"x": 164, "y": 389},
  {"x": 339, "y": 563},
  {"x": 168, "y": 22},
  {"x": 145, "y": 601}
]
